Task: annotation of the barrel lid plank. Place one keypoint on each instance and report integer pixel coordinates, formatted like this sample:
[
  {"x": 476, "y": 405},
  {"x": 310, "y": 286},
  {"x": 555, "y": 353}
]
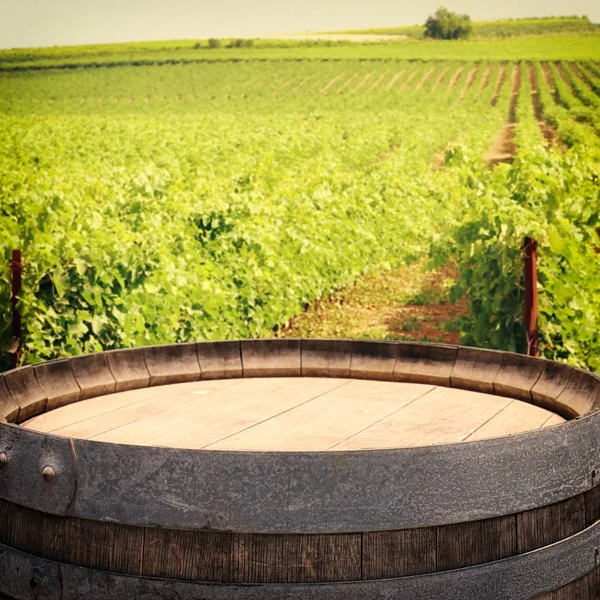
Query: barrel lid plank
[
  {"x": 438, "y": 415},
  {"x": 293, "y": 414}
]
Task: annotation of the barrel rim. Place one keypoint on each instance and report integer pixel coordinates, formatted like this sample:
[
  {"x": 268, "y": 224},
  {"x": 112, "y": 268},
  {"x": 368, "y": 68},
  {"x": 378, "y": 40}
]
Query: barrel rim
[{"x": 292, "y": 491}]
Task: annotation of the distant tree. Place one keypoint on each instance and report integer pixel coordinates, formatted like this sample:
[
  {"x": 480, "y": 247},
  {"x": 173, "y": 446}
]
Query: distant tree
[
  {"x": 241, "y": 43},
  {"x": 214, "y": 43},
  {"x": 446, "y": 25}
]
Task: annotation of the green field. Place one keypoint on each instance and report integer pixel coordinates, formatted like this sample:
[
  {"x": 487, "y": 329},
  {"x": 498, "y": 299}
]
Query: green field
[
  {"x": 501, "y": 28},
  {"x": 209, "y": 200},
  {"x": 550, "y": 47}
]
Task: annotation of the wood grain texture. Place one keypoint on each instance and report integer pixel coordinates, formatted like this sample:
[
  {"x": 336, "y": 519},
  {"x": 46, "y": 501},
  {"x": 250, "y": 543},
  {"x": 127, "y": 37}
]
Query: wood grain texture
[
  {"x": 592, "y": 503},
  {"x": 57, "y": 380},
  {"x": 252, "y": 558},
  {"x": 425, "y": 363},
  {"x": 174, "y": 363},
  {"x": 220, "y": 360},
  {"x": 440, "y": 415},
  {"x": 581, "y": 394},
  {"x": 271, "y": 358},
  {"x": 514, "y": 417},
  {"x": 593, "y": 581},
  {"x": 326, "y": 358},
  {"x": 270, "y": 558},
  {"x": 544, "y": 526},
  {"x": 103, "y": 546},
  {"x": 399, "y": 553},
  {"x": 26, "y": 392},
  {"x": 292, "y": 414},
  {"x": 31, "y": 531},
  {"x": 550, "y": 385},
  {"x": 373, "y": 360},
  {"x": 467, "y": 544},
  {"x": 93, "y": 375},
  {"x": 476, "y": 369},
  {"x": 178, "y": 554},
  {"x": 314, "y": 423},
  {"x": 517, "y": 376},
  {"x": 9, "y": 409},
  {"x": 128, "y": 368},
  {"x": 296, "y": 558},
  {"x": 88, "y": 409}
]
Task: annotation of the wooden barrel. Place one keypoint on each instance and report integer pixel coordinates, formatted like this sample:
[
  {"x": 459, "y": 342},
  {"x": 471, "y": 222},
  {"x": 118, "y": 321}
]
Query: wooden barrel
[{"x": 512, "y": 517}]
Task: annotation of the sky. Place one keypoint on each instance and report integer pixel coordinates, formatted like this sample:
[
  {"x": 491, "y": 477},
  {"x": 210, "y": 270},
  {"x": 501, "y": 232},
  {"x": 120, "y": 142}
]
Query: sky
[{"x": 34, "y": 23}]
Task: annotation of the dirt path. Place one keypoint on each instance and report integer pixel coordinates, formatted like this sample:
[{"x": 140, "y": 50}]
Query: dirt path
[
  {"x": 499, "y": 84},
  {"x": 563, "y": 75},
  {"x": 548, "y": 78},
  {"x": 302, "y": 83},
  {"x": 363, "y": 81},
  {"x": 503, "y": 148},
  {"x": 378, "y": 82},
  {"x": 457, "y": 75},
  {"x": 591, "y": 70},
  {"x": 408, "y": 303},
  {"x": 347, "y": 83},
  {"x": 410, "y": 78},
  {"x": 395, "y": 78},
  {"x": 440, "y": 78},
  {"x": 547, "y": 131},
  {"x": 575, "y": 70},
  {"x": 515, "y": 86},
  {"x": 425, "y": 79},
  {"x": 486, "y": 79},
  {"x": 468, "y": 83},
  {"x": 585, "y": 77},
  {"x": 332, "y": 82}
]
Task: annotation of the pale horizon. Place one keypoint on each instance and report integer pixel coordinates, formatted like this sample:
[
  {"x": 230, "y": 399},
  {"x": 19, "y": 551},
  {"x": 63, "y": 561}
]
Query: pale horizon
[{"x": 35, "y": 23}]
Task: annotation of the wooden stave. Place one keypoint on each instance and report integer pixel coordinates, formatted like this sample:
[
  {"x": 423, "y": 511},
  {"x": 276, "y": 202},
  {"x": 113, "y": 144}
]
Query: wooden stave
[{"x": 372, "y": 368}]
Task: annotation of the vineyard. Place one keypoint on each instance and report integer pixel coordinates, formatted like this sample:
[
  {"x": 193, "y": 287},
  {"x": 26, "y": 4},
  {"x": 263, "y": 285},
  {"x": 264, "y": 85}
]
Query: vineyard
[{"x": 211, "y": 200}]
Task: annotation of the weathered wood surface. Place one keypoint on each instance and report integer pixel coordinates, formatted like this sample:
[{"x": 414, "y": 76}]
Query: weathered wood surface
[
  {"x": 300, "y": 414},
  {"x": 229, "y": 557},
  {"x": 544, "y": 526}
]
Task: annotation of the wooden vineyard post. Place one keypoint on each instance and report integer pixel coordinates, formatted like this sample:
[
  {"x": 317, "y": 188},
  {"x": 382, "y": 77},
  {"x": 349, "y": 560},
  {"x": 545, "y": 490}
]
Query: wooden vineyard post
[
  {"x": 16, "y": 268},
  {"x": 531, "y": 297}
]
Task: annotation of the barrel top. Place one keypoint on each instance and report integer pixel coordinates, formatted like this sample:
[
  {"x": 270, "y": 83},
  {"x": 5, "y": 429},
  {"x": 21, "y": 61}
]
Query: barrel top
[
  {"x": 378, "y": 484},
  {"x": 293, "y": 414}
]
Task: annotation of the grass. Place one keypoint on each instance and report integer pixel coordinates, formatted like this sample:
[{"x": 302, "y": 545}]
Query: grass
[
  {"x": 498, "y": 29},
  {"x": 408, "y": 303},
  {"x": 551, "y": 47}
]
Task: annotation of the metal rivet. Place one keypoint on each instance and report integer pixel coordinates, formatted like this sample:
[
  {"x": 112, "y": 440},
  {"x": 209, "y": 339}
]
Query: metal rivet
[
  {"x": 3, "y": 459},
  {"x": 48, "y": 474}
]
